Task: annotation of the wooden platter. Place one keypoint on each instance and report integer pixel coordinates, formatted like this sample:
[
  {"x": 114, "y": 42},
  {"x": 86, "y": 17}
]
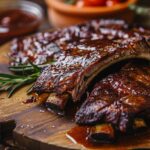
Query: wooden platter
[{"x": 35, "y": 128}]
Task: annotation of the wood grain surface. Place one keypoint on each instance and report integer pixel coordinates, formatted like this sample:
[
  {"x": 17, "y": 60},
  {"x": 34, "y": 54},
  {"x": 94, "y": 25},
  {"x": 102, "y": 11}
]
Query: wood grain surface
[{"x": 35, "y": 128}]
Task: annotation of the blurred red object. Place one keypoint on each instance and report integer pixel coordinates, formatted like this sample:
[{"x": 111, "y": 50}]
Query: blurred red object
[
  {"x": 108, "y": 3},
  {"x": 112, "y": 2},
  {"x": 62, "y": 14},
  {"x": 94, "y": 2}
]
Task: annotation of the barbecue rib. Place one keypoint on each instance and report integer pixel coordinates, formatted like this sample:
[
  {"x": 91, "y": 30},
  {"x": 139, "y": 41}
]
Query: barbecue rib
[
  {"x": 42, "y": 47},
  {"x": 79, "y": 54},
  {"x": 73, "y": 71},
  {"x": 118, "y": 99}
]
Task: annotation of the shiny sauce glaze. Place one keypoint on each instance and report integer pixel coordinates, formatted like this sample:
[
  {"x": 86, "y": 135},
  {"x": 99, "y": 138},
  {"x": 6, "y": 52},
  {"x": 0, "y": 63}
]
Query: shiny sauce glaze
[
  {"x": 139, "y": 73},
  {"x": 79, "y": 135},
  {"x": 71, "y": 63},
  {"x": 118, "y": 98},
  {"x": 15, "y": 22},
  {"x": 44, "y": 46},
  {"x": 75, "y": 50}
]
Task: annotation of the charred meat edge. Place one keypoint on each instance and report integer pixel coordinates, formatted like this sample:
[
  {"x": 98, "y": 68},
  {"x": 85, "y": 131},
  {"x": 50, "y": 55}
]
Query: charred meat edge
[
  {"x": 58, "y": 102},
  {"x": 105, "y": 131}
]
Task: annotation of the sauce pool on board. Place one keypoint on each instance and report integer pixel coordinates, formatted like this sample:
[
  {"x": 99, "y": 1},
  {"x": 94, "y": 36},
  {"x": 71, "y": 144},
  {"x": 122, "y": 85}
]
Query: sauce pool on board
[{"x": 79, "y": 135}]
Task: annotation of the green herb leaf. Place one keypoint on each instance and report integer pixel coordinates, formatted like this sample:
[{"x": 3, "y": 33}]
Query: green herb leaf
[
  {"x": 71, "y": 2},
  {"x": 29, "y": 73},
  {"x": 8, "y": 76},
  {"x": 28, "y": 69},
  {"x": 19, "y": 85},
  {"x": 11, "y": 83},
  {"x": 36, "y": 68}
]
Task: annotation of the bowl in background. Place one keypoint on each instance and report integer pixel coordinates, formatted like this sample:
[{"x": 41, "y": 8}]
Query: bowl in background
[
  {"x": 61, "y": 14},
  {"x": 30, "y": 8}
]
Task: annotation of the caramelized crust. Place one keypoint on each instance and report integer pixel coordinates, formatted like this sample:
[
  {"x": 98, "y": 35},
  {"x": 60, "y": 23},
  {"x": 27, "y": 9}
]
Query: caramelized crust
[
  {"x": 74, "y": 70},
  {"x": 43, "y": 47},
  {"x": 78, "y": 53},
  {"x": 118, "y": 98}
]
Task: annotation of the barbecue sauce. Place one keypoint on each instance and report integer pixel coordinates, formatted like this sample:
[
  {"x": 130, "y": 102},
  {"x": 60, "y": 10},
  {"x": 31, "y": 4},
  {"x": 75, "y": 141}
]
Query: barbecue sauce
[
  {"x": 15, "y": 22},
  {"x": 79, "y": 135}
]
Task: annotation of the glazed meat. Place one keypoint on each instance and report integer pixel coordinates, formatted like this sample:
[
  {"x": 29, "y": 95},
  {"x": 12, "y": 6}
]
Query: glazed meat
[
  {"x": 43, "y": 47},
  {"x": 79, "y": 53},
  {"x": 76, "y": 68},
  {"x": 118, "y": 99}
]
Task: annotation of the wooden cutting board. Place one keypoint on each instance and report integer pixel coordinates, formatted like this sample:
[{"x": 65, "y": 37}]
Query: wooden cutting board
[{"x": 38, "y": 129}]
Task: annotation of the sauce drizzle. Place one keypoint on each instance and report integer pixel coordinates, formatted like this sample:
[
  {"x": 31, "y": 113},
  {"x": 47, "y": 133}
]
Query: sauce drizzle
[{"x": 78, "y": 135}]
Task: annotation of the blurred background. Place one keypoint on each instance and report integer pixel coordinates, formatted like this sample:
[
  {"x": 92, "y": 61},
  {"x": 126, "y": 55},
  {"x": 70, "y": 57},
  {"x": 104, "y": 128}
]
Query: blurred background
[
  {"x": 138, "y": 13},
  {"x": 23, "y": 17}
]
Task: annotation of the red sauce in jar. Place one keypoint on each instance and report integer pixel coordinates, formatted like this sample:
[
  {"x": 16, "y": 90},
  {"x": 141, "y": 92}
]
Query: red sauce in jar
[{"x": 16, "y": 22}]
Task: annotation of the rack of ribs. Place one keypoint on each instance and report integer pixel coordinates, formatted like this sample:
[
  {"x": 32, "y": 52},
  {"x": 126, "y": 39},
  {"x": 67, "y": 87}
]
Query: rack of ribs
[
  {"x": 42, "y": 47},
  {"x": 118, "y": 100},
  {"x": 80, "y": 53}
]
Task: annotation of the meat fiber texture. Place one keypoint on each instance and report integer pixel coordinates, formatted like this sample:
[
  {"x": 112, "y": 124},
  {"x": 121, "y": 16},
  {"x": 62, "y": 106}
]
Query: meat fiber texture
[
  {"x": 42, "y": 47},
  {"x": 118, "y": 99},
  {"x": 78, "y": 54}
]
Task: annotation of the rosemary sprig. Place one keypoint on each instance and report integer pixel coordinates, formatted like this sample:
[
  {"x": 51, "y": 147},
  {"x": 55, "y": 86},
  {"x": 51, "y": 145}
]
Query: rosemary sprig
[
  {"x": 25, "y": 68},
  {"x": 27, "y": 75},
  {"x": 29, "y": 68},
  {"x": 11, "y": 83}
]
